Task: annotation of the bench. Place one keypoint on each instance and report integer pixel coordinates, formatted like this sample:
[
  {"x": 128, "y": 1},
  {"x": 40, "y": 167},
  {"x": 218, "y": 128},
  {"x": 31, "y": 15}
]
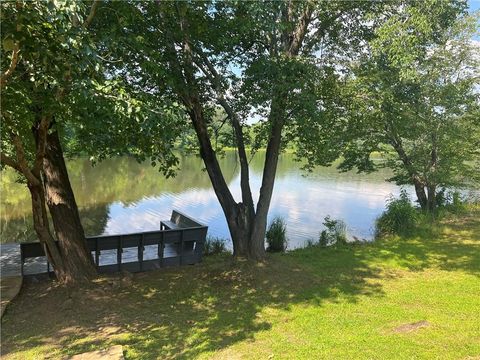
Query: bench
[
  {"x": 185, "y": 241},
  {"x": 179, "y": 220}
]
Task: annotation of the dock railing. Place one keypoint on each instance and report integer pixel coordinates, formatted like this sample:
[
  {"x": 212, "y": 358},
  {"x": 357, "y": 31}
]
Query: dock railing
[{"x": 177, "y": 245}]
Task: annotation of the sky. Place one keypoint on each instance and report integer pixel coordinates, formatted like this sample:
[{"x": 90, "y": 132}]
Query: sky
[{"x": 474, "y": 5}]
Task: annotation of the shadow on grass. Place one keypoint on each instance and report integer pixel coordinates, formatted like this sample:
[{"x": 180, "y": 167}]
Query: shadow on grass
[{"x": 186, "y": 312}]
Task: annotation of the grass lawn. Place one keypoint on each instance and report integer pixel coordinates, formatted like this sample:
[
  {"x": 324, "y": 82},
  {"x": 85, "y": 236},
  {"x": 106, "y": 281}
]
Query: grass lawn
[{"x": 395, "y": 299}]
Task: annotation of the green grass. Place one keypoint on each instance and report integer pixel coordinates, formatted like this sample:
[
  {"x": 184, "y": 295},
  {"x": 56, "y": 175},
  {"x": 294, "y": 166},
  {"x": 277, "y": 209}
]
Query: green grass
[{"x": 335, "y": 303}]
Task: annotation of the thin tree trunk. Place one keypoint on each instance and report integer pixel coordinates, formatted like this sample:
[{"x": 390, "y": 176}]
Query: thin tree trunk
[
  {"x": 396, "y": 142},
  {"x": 292, "y": 40},
  {"x": 77, "y": 259},
  {"x": 239, "y": 218},
  {"x": 431, "y": 190},
  {"x": 431, "y": 187},
  {"x": 257, "y": 240}
]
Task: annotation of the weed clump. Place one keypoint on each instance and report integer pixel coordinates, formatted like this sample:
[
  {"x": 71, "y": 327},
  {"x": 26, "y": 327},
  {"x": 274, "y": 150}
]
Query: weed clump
[
  {"x": 276, "y": 235},
  {"x": 400, "y": 217},
  {"x": 214, "y": 245},
  {"x": 334, "y": 234}
]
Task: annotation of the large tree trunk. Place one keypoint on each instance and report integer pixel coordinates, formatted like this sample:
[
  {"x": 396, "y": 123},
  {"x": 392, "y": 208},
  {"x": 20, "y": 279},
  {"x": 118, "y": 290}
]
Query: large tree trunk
[
  {"x": 77, "y": 259},
  {"x": 42, "y": 229},
  {"x": 241, "y": 230},
  {"x": 421, "y": 195}
]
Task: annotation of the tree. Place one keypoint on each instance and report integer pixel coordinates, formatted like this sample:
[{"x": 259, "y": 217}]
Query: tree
[
  {"x": 48, "y": 47},
  {"x": 286, "y": 54},
  {"x": 418, "y": 105}
]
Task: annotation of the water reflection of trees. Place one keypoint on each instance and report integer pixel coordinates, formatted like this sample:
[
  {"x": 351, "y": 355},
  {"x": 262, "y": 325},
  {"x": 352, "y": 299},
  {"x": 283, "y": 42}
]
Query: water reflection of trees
[
  {"x": 288, "y": 165},
  {"x": 127, "y": 181},
  {"x": 20, "y": 229},
  {"x": 121, "y": 179}
]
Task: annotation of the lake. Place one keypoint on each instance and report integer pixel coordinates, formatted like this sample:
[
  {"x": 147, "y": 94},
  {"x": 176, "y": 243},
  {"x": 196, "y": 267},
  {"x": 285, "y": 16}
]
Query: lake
[{"x": 121, "y": 196}]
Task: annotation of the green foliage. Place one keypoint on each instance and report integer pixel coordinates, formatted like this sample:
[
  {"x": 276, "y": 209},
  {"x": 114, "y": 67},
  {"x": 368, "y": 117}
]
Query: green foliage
[
  {"x": 399, "y": 218},
  {"x": 334, "y": 234},
  {"x": 246, "y": 36},
  {"x": 55, "y": 54},
  {"x": 214, "y": 245},
  {"x": 276, "y": 235},
  {"x": 67, "y": 70},
  {"x": 414, "y": 98}
]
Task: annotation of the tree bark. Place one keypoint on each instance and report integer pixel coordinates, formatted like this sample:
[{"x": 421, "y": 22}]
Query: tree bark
[
  {"x": 77, "y": 259},
  {"x": 421, "y": 195},
  {"x": 238, "y": 215},
  {"x": 431, "y": 186},
  {"x": 239, "y": 218},
  {"x": 42, "y": 229},
  {"x": 418, "y": 182},
  {"x": 257, "y": 240},
  {"x": 432, "y": 198}
]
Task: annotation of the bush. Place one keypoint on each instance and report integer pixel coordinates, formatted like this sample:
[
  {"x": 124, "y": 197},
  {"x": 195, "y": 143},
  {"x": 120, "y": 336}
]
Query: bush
[
  {"x": 214, "y": 245},
  {"x": 399, "y": 218},
  {"x": 276, "y": 235},
  {"x": 334, "y": 234}
]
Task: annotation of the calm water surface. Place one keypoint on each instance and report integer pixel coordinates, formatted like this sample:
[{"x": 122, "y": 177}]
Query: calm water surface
[{"x": 122, "y": 196}]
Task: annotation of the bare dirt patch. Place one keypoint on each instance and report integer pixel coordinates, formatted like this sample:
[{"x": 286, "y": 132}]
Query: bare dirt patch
[{"x": 406, "y": 328}]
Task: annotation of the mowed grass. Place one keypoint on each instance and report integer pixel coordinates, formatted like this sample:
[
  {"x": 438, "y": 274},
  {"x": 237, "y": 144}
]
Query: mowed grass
[{"x": 415, "y": 298}]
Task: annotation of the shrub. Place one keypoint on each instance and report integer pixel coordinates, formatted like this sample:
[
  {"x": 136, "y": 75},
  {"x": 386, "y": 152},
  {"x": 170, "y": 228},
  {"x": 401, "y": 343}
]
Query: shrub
[
  {"x": 399, "y": 218},
  {"x": 214, "y": 245},
  {"x": 276, "y": 235},
  {"x": 335, "y": 232}
]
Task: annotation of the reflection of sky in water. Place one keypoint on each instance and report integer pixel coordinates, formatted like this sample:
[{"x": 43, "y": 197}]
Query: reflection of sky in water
[{"x": 302, "y": 201}]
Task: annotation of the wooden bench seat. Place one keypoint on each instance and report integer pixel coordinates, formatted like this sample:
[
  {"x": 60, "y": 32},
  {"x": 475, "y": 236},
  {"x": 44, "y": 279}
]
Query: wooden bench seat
[
  {"x": 168, "y": 225},
  {"x": 179, "y": 220}
]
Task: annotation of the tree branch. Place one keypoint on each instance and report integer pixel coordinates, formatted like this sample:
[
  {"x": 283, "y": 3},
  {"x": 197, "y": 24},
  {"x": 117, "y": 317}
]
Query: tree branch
[
  {"x": 13, "y": 64},
  {"x": 22, "y": 161},
  {"x": 8, "y": 161},
  {"x": 300, "y": 30},
  {"x": 320, "y": 32},
  {"x": 91, "y": 15}
]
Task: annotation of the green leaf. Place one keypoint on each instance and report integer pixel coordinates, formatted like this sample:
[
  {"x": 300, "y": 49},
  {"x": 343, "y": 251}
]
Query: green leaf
[{"x": 8, "y": 44}]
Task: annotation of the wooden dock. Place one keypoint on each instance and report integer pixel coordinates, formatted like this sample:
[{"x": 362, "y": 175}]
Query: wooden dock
[{"x": 179, "y": 241}]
